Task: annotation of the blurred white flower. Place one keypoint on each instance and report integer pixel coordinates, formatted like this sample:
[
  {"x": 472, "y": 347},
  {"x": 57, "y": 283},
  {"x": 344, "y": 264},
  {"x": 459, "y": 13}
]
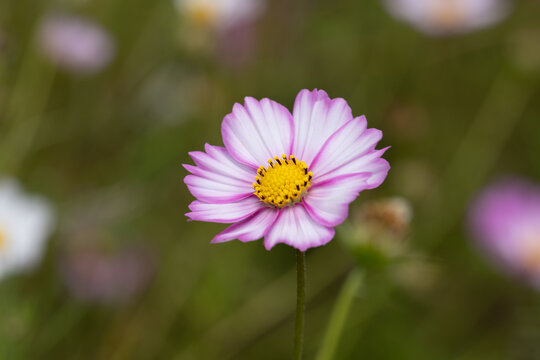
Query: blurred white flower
[
  {"x": 220, "y": 14},
  {"x": 76, "y": 44},
  {"x": 447, "y": 17},
  {"x": 25, "y": 224}
]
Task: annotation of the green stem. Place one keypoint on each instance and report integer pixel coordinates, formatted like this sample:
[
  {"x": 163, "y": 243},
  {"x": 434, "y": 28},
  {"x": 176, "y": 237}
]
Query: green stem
[
  {"x": 300, "y": 303},
  {"x": 339, "y": 315},
  {"x": 25, "y": 108}
]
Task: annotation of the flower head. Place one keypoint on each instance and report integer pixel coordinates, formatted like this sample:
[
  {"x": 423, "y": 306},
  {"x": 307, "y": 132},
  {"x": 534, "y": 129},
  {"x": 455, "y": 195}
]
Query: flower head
[
  {"x": 505, "y": 219},
  {"x": 286, "y": 177},
  {"x": 78, "y": 45},
  {"x": 25, "y": 224},
  {"x": 219, "y": 14},
  {"x": 447, "y": 17}
]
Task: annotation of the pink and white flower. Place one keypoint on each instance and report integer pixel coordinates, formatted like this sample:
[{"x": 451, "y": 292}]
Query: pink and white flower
[
  {"x": 286, "y": 177},
  {"x": 448, "y": 17},
  {"x": 505, "y": 220},
  {"x": 220, "y": 14}
]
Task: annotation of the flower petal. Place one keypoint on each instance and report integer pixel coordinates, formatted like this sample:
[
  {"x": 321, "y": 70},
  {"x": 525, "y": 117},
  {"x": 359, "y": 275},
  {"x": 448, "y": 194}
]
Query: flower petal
[
  {"x": 351, "y": 150},
  {"x": 218, "y": 178},
  {"x": 224, "y": 213},
  {"x": 328, "y": 202},
  {"x": 250, "y": 229},
  {"x": 295, "y": 227},
  {"x": 316, "y": 118},
  {"x": 258, "y": 131},
  {"x": 370, "y": 162}
]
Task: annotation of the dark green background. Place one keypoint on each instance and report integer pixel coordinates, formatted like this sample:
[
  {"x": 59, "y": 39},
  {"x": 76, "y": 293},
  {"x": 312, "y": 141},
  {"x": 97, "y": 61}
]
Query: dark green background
[{"x": 457, "y": 112}]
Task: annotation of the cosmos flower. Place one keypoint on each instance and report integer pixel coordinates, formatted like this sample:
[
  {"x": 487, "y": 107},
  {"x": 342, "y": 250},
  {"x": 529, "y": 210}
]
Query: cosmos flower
[
  {"x": 25, "y": 224},
  {"x": 505, "y": 220},
  {"x": 286, "y": 177},
  {"x": 220, "y": 14},
  {"x": 76, "y": 44},
  {"x": 447, "y": 17}
]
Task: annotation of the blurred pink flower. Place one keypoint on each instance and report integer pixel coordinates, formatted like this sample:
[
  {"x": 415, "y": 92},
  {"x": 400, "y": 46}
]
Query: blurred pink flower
[
  {"x": 505, "y": 220},
  {"x": 236, "y": 45},
  {"x": 220, "y": 14},
  {"x": 448, "y": 17},
  {"x": 96, "y": 276},
  {"x": 286, "y": 177},
  {"x": 76, "y": 44}
]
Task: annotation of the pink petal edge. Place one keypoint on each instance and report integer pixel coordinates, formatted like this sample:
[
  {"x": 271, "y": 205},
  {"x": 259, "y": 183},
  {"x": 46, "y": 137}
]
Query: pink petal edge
[
  {"x": 328, "y": 202},
  {"x": 217, "y": 176},
  {"x": 316, "y": 118},
  {"x": 223, "y": 213},
  {"x": 253, "y": 228},
  {"x": 295, "y": 227},
  {"x": 258, "y": 131}
]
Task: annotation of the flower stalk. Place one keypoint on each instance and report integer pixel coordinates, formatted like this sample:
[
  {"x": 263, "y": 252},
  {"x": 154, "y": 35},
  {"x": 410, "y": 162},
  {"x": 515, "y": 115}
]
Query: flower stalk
[
  {"x": 300, "y": 303},
  {"x": 339, "y": 315}
]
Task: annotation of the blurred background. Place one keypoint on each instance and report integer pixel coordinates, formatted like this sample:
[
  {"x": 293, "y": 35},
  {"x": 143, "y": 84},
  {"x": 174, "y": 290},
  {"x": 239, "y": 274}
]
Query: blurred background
[{"x": 101, "y": 101}]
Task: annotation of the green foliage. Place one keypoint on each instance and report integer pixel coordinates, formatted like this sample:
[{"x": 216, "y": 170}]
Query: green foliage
[{"x": 456, "y": 112}]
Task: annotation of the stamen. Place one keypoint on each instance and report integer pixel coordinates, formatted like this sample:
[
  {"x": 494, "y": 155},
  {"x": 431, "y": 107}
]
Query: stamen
[{"x": 283, "y": 182}]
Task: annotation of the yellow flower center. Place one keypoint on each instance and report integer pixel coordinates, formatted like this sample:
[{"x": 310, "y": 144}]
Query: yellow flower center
[
  {"x": 448, "y": 14},
  {"x": 202, "y": 15},
  {"x": 283, "y": 182},
  {"x": 3, "y": 239}
]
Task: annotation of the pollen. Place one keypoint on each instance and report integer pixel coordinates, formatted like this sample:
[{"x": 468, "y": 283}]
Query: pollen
[{"x": 284, "y": 181}]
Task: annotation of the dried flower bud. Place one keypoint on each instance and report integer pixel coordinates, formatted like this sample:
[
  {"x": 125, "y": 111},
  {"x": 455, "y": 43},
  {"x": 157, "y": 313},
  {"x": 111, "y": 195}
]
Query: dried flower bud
[
  {"x": 378, "y": 230},
  {"x": 391, "y": 216}
]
